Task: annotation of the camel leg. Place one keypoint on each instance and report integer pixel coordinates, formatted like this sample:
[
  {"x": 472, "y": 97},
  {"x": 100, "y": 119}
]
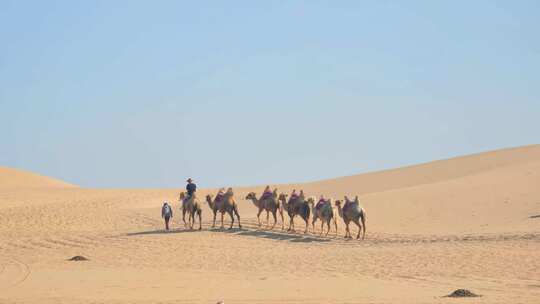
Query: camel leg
[
  {"x": 363, "y": 219},
  {"x": 222, "y": 214},
  {"x": 184, "y": 217},
  {"x": 347, "y": 230},
  {"x": 359, "y": 228},
  {"x": 232, "y": 218},
  {"x": 291, "y": 224},
  {"x": 267, "y": 218},
  {"x": 307, "y": 225},
  {"x": 328, "y": 224},
  {"x": 322, "y": 227},
  {"x": 335, "y": 224},
  {"x": 275, "y": 219},
  {"x": 237, "y": 217},
  {"x": 282, "y": 221},
  {"x": 258, "y": 217},
  {"x": 200, "y": 219}
]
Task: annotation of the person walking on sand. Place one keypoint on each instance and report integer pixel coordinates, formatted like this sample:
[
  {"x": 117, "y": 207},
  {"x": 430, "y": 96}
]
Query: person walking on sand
[{"x": 166, "y": 214}]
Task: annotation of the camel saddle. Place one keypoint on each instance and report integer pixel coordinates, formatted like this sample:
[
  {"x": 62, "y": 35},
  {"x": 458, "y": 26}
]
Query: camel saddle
[
  {"x": 320, "y": 203},
  {"x": 219, "y": 197},
  {"x": 347, "y": 206},
  {"x": 267, "y": 195},
  {"x": 293, "y": 197}
]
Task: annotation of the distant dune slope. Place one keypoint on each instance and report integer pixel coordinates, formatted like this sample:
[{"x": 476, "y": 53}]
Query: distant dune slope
[
  {"x": 427, "y": 173},
  {"x": 489, "y": 192},
  {"x": 13, "y": 178}
]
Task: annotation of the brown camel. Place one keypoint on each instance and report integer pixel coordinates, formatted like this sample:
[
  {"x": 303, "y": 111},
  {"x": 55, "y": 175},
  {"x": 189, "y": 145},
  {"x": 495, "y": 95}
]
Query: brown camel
[
  {"x": 296, "y": 205},
  {"x": 352, "y": 212},
  {"x": 270, "y": 205},
  {"x": 192, "y": 207},
  {"x": 325, "y": 212},
  {"x": 226, "y": 203}
]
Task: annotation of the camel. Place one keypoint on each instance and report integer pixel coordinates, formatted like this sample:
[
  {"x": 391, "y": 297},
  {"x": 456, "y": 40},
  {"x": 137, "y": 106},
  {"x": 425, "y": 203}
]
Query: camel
[
  {"x": 296, "y": 206},
  {"x": 270, "y": 205},
  {"x": 227, "y": 203},
  {"x": 352, "y": 212},
  {"x": 325, "y": 212},
  {"x": 192, "y": 207}
]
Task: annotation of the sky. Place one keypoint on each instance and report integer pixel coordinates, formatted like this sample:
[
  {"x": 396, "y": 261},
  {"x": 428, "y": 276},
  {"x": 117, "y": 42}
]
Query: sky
[{"x": 143, "y": 94}]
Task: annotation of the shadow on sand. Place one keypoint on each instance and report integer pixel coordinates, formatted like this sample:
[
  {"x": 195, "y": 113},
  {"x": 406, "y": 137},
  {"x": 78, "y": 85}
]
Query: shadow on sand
[
  {"x": 161, "y": 231},
  {"x": 275, "y": 235},
  {"x": 266, "y": 234}
]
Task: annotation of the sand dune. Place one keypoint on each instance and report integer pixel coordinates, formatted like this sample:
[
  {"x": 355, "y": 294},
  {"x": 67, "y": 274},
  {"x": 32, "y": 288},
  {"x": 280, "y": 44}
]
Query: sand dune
[
  {"x": 466, "y": 222},
  {"x": 428, "y": 173},
  {"x": 13, "y": 178}
]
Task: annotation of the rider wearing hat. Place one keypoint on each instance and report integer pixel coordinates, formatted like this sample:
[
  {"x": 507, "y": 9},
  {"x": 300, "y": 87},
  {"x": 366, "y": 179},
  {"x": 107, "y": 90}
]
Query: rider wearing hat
[{"x": 190, "y": 187}]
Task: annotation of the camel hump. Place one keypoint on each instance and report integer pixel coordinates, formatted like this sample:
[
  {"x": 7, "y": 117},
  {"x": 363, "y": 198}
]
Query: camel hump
[{"x": 267, "y": 195}]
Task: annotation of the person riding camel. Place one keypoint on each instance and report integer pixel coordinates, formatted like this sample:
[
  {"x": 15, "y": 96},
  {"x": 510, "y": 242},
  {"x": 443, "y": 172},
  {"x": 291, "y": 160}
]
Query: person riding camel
[
  {"x": 190, "y": 188},
  {"x": 267, "y": 192}
]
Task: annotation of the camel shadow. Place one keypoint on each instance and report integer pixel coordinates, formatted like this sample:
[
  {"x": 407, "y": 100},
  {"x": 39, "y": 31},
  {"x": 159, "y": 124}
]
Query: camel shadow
[
  {"x": 161, "y": 231},
  {"x": 266, "y": 234},
  {"x": 274, "y": 235}
]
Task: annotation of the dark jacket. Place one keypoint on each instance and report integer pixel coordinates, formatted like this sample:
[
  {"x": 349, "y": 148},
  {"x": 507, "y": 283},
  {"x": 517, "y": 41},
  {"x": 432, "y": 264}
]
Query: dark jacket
[{"x": 191, "y": 188}]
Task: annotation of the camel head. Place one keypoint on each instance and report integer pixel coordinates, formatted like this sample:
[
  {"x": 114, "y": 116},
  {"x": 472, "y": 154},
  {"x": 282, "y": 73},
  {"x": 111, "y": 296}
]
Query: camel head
[
  {"x": 251, "y": 196},
  {"x": 283, "y": 197},
  {"x": 338, "y": 205},
  {"x": 182, "y": 195},
  {"x": 209, "y": 198},
  {"x": 311, "y": 201}
]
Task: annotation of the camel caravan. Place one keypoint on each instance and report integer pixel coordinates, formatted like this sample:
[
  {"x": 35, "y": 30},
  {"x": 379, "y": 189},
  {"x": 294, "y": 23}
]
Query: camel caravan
[{"x": 294, "y": 204}]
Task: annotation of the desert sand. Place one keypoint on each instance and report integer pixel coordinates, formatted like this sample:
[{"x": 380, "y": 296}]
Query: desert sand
[{"x": 467, "y": 222}]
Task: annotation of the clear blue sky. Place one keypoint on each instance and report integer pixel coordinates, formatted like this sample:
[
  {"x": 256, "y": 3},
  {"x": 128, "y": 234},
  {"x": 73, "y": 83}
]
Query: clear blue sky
[{"x": 147, "y": 93}]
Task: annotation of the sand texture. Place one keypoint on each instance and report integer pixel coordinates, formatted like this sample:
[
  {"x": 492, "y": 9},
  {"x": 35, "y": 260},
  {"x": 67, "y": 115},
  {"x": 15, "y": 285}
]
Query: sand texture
[{"x": 469, "y": 222}]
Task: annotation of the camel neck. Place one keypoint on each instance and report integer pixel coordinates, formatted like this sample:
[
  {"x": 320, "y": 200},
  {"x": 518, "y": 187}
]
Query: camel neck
[{"x": 255, "y": 200}]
